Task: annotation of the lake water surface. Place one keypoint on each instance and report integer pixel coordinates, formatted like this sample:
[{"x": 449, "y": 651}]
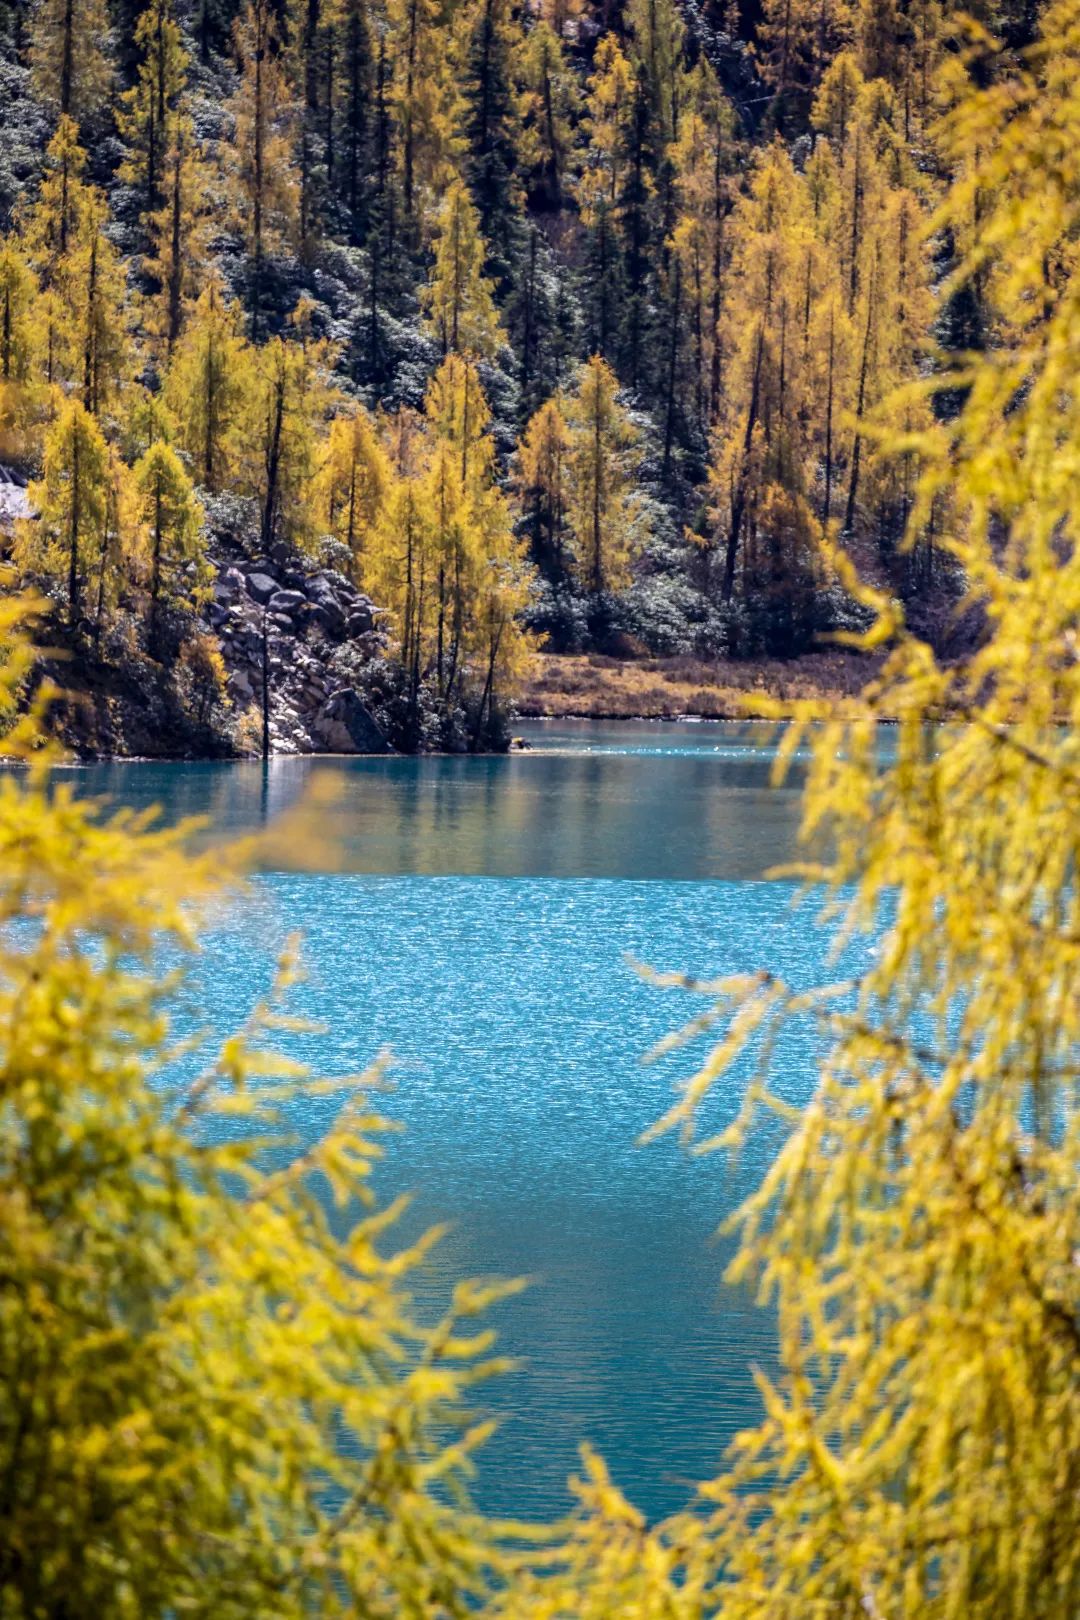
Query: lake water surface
[{"x": 478, "y": 917}]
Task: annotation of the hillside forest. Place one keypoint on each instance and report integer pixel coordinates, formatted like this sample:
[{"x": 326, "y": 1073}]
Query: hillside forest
[{"x": 543, "y": 325}]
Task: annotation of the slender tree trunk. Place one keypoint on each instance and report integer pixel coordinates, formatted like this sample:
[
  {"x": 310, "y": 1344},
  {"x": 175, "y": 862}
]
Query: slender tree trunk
[
  {"x": 598, "y": 463},
  {"x": 67, "y": 59},
  {"x": 176, "y": 264},
  {"x": 738, "y": 504},
  {"x": 89, "y": 368},
  {"x": 73, "y": 540},
  {"x": 155, "y": 576},
  {"x": 259, "y": 180},
  {"x": 673, "y": 355},
  {"x": 527, "y": 333},
  {"x": 860, "y": 405},
  {"x": 485, "y": 696},
  {"x": 273, "y": 465},
  {"x": 265, "y": 687},
  {"x": 827, "y": 501}
]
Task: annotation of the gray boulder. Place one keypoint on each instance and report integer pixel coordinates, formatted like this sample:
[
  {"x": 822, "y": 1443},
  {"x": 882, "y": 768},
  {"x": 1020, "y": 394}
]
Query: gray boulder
[
  {"x": 260, "y": 587},
  {"x": 344, "y": 726}
]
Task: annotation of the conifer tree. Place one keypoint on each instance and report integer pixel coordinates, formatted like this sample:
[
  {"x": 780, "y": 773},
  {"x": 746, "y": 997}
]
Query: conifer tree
[
  {"x": 492, "y": 130},
  {"x": 550, "y": 107},
  {"x": 351, "y": 39},
  {"x": 95, "y": 347},
  {"x": 292, "y": 400},
  {"x": 208, "y": 386},
  {"x": 701, "y": 160},
  {"x": 51, "y": 224},
  {"x": 178, "y": 233},
  {"x": 261, "y": 155},
  {"x": 173, "y": 520},
  {"x": 603, "y": 511},
  {"x": 399, "y": 566},
  {"x": 427, "y": 106},
  {"x": 612, "y": 87},
  {"x": 543, "y": 455},
  {"x": 656, "y": 29},
  {"x": 147, "y": 421},
  {"x": 608, "y": 157},
  {"x": 458, "y": 299},
  {"x": 354, "y": 483},
  {"x": 148, "y": 114},
  {"x": 68, "y": 52},
  {"x": 765, "y": 445},
  {"x": 796, "y": 39},
  {"x": 18, "y": 292},
  {"x": 21, "y": 337},
  {"x": 67, "y": 540}
]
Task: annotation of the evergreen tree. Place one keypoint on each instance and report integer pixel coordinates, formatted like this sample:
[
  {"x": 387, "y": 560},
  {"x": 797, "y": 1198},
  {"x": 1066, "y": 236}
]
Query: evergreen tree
[{"x": 493, "y": 132}]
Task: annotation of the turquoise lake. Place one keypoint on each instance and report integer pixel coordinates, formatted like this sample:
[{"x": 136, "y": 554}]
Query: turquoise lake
[{"x": 478, "y": 917}]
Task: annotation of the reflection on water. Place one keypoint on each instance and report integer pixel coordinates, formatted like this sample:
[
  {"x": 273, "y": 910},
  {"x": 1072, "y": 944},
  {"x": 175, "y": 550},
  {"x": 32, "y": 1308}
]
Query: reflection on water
[
  {"x": 481, "y": 928},
  {"x": 644, "y": 800}
]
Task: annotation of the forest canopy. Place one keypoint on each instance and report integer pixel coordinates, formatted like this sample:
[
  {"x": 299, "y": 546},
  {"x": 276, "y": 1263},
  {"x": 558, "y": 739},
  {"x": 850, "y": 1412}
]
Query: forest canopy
[
  {"x": 682, "y": 253},
  {"x": 215, "y": 1398}
]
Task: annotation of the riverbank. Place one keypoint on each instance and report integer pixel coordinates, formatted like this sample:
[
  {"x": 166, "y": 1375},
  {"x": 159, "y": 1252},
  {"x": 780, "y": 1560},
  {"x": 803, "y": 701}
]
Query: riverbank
[{"x": 591, "y": 686}]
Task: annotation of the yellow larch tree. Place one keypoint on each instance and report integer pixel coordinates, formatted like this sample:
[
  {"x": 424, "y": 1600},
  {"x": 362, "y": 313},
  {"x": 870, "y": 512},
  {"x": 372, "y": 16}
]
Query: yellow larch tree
[
  {"x": 179, "y": 233},
  {"x": 260, "y": 158},
  {"x": 757, "y": 436},
  {"x": 208, "y": 386},
  {"x": 603, "y": 505},
  {"x": 353, "y": 484},
  {"x": 254, "y": 1415},
  {"x": 702, "y": 160},
  {"x": 427, "y": 103},
  {"x": 68, "y": 53},
  {"x": 20, "y": 345},
  {"x": 149, "y": 110},
  {"x": 287, "y": 411},
  {"x": 543, "y": 455},
  {"x": 608, "y": 111},
  {"x": 550, "y": 107},
  {"x": 459, "y": 299},
  {"x": 66, "y": 541},
  {"x": 51, "y": 223},
  {"x": 174, "y": 525},
  {"x": 95, "y": 350}
]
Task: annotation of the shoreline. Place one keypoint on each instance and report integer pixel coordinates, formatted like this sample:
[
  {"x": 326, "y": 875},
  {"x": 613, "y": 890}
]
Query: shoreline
[
  {"x": 593, "y": 686},
  {"x": 596, "y": 687}
]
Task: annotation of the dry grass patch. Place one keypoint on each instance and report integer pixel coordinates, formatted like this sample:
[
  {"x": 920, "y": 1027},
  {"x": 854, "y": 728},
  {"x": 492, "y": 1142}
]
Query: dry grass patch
[{"x": 592, "y": 686}]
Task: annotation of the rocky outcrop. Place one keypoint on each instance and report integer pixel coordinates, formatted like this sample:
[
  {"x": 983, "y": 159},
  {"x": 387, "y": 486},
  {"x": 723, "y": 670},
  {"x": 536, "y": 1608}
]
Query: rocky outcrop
[{"x": 281, "y": 629}]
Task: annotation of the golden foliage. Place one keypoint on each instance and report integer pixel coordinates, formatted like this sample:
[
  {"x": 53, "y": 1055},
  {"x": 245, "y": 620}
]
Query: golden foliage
[{"x": 215, "y": 1398}]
